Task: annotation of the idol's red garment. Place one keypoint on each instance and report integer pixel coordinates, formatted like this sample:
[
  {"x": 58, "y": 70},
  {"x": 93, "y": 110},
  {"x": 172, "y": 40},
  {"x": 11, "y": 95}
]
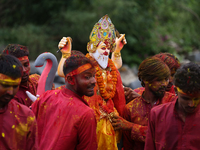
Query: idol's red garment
[
  {"x": 168, "y": 131},
  {"x": 172, "y": 90},
  {"x": 31, "y": 86},
  {"x": 18, "y": 127},
  {"x": 137, "y": 111},
  {"x": 65, "y": 121}
]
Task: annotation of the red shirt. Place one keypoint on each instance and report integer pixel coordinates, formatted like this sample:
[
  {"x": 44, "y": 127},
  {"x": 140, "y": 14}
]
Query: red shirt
[
  {"x": 65, "y": 121},
  {"x": 167, "y": 130},
  {"x": 137, "y": 111},
  {"x": 18, "y": 127},
  {"x": 31, "y": 86}
]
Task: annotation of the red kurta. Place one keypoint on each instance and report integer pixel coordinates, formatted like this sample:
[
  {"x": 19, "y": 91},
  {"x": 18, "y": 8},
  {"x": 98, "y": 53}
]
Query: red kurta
[
  {"x": 32, "y": 84},
  {"x": 18, "y": 127},
  {"x": 65, "y": 121},
  {"x": 137, "y": 111},
  {"x": 167, "y": 130}
]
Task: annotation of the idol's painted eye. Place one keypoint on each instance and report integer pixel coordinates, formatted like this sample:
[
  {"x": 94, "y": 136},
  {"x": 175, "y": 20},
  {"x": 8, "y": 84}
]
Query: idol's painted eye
[{"x": 103, "y": 48}]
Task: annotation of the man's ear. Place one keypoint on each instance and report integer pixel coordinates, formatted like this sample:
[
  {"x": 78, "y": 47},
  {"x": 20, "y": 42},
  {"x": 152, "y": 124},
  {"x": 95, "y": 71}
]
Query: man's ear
[{"x": 70, "y": 80}]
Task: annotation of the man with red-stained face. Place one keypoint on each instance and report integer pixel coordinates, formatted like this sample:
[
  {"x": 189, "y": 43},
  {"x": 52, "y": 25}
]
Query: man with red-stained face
[
  {"x": 18, "y": 124},
  {"x": 26, "y": 69},
  {"x": 28, "y": 82},
  {"x": 69, "y": 121},
  {"x": 154, "y": 76},
  {"x": 176, "y": 125}
]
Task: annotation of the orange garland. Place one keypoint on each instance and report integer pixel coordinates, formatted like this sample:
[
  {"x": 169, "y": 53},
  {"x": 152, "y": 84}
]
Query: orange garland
[{"x": 100, "y": 82}]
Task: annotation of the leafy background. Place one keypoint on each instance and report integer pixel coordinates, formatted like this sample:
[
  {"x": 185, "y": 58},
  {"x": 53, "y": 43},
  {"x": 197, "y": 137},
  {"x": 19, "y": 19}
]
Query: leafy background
[{"x": 151, "y": 26}]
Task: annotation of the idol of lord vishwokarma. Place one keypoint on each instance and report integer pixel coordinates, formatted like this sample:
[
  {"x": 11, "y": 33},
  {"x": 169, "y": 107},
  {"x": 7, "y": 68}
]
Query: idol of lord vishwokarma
[{"x": 108, "y": 98}]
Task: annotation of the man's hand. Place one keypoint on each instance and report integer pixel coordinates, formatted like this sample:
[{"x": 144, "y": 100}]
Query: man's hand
[
  {"x": 120, "y": 42},
  {"x": 130, "y": 94},
  {"x": 65, "y": 45},
  {"x": 120, "y": 123}
]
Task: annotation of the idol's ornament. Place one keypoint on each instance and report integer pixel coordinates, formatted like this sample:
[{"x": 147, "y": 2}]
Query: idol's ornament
[{"x": 103, "y": 30}]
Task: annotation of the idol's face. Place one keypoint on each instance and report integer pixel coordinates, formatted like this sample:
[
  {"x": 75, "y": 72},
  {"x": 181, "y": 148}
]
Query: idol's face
[
  {"x": 26, "y": 70},
  {"x": 103, "y": 49},
  {"x": 85, "y": 82},
  {"x": 101, "y": 55},
  {"x": 158, "y": 88},
  {"x": 188, "y": 103}
]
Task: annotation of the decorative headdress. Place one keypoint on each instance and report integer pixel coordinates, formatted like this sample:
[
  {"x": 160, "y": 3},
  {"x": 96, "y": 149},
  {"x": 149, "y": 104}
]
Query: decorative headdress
[
  {"x": 103, "y": 30},
  {"x": 171, "y": 60}
]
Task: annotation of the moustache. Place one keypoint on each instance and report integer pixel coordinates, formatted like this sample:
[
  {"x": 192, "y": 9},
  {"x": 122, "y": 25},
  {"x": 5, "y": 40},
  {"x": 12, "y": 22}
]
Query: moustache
[
  {"x": 162, "y": 88},
  {"x": 105, "y": 53}
]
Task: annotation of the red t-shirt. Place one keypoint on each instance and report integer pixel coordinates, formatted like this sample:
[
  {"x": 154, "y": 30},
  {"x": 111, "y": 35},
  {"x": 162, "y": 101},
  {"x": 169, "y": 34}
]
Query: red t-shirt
[
  {"x": 137, "y": 111},
  {"x": 31, "y": 86},
  {"x": 65, "y": 121},
  {"x": 168, "y": 131},
  {"x": 18, "y": 127}
]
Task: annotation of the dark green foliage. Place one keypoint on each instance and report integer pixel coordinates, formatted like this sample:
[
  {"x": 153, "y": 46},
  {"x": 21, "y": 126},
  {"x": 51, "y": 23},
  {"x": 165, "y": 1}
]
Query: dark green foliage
[{"x": 151, "y": 26}]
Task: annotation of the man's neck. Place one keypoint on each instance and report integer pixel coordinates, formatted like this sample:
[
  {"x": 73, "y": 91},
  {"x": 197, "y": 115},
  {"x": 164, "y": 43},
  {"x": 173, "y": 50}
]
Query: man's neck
[
  {"x": 24, "y": 84},
  {"x": 149, "y": 97},
  {"x": 180, "y": 111},
  {"x": 1, "y": 106}
]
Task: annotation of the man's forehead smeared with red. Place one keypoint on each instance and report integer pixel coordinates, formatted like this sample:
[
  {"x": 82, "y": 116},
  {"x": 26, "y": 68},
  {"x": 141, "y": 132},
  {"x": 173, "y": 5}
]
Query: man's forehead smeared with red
[
  {"x": 76, "y": 63},
  {"x": 16, "y": 50}
]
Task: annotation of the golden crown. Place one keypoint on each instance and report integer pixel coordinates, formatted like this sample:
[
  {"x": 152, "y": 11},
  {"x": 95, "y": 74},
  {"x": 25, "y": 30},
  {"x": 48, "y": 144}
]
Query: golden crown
[{"x": 102, "y": 30}]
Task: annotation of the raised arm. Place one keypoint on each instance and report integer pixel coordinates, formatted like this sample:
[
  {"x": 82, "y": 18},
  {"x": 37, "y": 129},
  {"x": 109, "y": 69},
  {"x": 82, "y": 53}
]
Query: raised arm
[
  {"x": 116, "y": 55},
  {"x": 65, "y": 45}
]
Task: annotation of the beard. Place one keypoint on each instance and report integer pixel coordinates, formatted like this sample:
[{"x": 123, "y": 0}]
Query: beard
[
  {"x": 101, "y": 59},
  {"x": 169, "y": 86},
  {"x": 159, "y": 93}
]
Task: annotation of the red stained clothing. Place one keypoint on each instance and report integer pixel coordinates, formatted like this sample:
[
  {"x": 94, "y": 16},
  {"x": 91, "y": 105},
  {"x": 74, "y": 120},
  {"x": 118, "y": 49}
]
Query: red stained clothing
[
  {"x": 137, "y": 111},
  {"x": 139, "y": 90},
  {"x": 65, "y": 121},
  {"x": 172, "y": 90},
  {"x": 32, "y": 84},
  {"x": 18, "y": 127},
  {"x": 168, "y": 131}
]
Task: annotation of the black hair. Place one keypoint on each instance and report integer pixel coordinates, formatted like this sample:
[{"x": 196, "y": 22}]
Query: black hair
[
  {"x": 152, "y": 69},
  {"x": 10, "y": 66},
  {"x": 16, "y": 50},
  {"x": 187, "y": 78},
  {"x": 76, "y": 60}
]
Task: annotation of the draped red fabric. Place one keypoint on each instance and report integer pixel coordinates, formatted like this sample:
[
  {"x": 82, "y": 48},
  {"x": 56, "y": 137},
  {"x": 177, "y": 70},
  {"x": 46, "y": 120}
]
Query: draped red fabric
[
  {"x": 119, "y": 98},
  {"x": 167, "y": 130},
  {"x": 31, "y": 86},
  {"x": 65, "y": 121},
  {"x": 18, "y": 127},
  {"x": 137, "y": 111}
]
